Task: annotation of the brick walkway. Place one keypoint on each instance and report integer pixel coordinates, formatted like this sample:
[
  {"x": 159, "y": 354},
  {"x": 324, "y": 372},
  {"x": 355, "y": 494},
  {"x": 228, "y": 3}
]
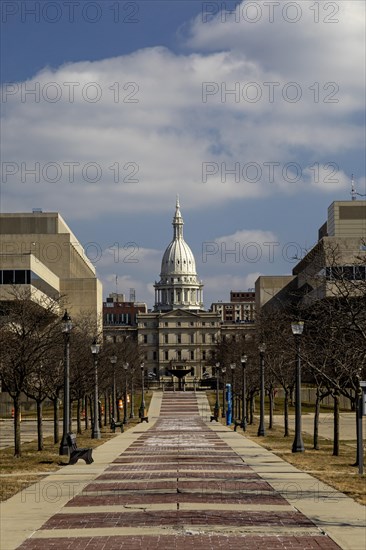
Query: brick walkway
[{"x": 178, "y": 486}]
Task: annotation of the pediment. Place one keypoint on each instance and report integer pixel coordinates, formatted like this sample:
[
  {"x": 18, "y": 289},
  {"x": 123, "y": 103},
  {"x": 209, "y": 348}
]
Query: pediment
[{"x": 176, "y": 313}]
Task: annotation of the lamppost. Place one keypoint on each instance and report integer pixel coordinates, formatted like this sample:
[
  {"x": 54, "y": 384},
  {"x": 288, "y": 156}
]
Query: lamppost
[
  {"x": 125, "y": 419},
  {"x": 243, "y": 362},
  {"x": 261, "y": 430},
  {"x": 66, "y": 328},
  {"x": 113, "y": 360},
  {"x": 95, "y": 348},
  {"x": 217, "y": 404},
  {"x": 142, "y": 406},
  {"x": 223, "y": 370},
  {"x": 232, "y": 368},
  {"x": 298, "y": 445}
]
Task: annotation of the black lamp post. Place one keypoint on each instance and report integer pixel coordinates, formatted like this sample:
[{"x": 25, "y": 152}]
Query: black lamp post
[
  {"x": 217, "y": 404},
  {"x": 125, "y": 419},
  {"x": 223, "y": 413},
  {"x": 261, "y": 430},
  {"x": 142, "y": 406},
  {"x": 113, "y": 360},
  {"x": 95, "y": 348},
  {"x": 66, "y": 328},
  {"x": 298, "y": 445},
  {"x": 232, "y": 369},
  {"x": 243, "y": 362}
]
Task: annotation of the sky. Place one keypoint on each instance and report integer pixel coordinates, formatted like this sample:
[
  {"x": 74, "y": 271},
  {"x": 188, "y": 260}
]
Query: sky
[{"x": 252, "y": 112}]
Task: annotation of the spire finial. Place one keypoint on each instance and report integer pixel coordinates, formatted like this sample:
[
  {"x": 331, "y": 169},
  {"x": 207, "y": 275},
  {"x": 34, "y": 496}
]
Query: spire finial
[{"x": 177, "y": 202}]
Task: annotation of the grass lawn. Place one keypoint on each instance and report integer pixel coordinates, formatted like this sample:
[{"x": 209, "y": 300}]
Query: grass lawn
[
  {"x": 18, "y": 473},
  {"x": 337, "y": 471}
]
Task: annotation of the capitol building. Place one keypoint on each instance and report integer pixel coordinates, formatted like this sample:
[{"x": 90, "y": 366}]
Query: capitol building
[{"x": 178, "y": 334}]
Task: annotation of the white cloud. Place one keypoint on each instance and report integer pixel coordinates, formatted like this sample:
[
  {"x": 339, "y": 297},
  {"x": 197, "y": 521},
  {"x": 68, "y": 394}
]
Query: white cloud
[{"x": 170, "y": 139}]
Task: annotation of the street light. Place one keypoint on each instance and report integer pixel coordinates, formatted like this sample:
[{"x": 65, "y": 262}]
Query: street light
[
  {"x": 125, "y": 419},
  {"x": 223, "y": 371},
  {"x": 298, "y": 445},
  {"x": 142, "y": 406},
  {"x": 217, "y": 404},
  {"x": 243, "y": 362},
  {"x": 66, "y": 328},
  {"x": 232, "y": 368},
  {"x": 113, "y": 360},
  {"x": 95, "y": 348},
  {"x": 261, "y": 430}
]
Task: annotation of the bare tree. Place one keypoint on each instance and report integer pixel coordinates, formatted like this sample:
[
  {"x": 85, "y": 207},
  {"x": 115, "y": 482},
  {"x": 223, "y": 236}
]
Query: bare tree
[{"x": 28, "y": 331}]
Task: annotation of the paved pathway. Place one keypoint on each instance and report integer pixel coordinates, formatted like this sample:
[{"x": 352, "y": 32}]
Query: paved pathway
[{"x": 184, "y": 483}]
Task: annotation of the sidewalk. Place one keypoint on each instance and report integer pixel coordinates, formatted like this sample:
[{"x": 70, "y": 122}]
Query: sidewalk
[{"x": 181, "y": 482}]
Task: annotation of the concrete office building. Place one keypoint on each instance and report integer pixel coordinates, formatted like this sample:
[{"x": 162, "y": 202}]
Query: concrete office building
[
  {"x": 340, "y": 253},
  {"x": 39, "y": 252}
]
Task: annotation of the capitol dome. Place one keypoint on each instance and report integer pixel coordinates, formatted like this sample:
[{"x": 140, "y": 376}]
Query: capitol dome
[
  {"x": 178, "y": 258},
  {"x": 179, "y": 286}
]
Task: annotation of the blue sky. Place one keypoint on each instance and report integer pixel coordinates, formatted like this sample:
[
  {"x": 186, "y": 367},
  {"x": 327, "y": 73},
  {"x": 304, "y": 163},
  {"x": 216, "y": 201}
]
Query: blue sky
[{"x": 254, "y": 117}]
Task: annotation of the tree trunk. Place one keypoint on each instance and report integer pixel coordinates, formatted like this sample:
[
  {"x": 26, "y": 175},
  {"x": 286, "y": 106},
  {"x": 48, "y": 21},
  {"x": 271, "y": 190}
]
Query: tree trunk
[
  {"x": 91, "y": 407},
  {"x": 78, "y": 416},
  {"x": 357, "y": 431},
  {"x": 285, "y": 413},
  {"x": 106, "y": 404},
  {"x": 271, "y": 397},
  {"x": 336, "y": 425},
  {"x": 86, "y": 409},
  {"x": 17, "y": 441},
  {"x": 39, "y": 426},
  {"x": 251, "y": 408},
  {"x": 316, "y": 421},
  {"x": 56, "y": 419}
]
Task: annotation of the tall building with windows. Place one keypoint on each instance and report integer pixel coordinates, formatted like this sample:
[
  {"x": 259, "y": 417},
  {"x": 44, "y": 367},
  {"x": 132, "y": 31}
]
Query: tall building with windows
[
  {"x": 39, "y": 253},
  {"x": 240, "y": 308},
  {"x": 339, "y": 254}
]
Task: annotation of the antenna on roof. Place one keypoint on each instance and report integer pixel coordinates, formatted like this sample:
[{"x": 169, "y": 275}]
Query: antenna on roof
[{"x": 353, "y": 190}]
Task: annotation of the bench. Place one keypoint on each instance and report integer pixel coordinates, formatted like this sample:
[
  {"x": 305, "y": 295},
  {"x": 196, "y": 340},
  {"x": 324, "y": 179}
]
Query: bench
[
  {"x": 144, "y": 418},
  {"x": 76, "y": 453},
  {"x": 214, "y": 417},
  {"x": 115, "y": 424}
]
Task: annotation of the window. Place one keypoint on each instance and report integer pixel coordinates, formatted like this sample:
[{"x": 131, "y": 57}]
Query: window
[
  {"x": 8, "y": 277},
  {"x": 192, "y": 355},
  {"x": 154, "y": 355},
  {"x": 166, "y": 355},
  {"x": 166, "y": 338},
  {"x": 179, "y": 355},
  {"x": 204, "y": 356},
  {"x": 192, "y": 338},
  {"x": 179, "y": 338},
  {"x": 145, "y": 338}
]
